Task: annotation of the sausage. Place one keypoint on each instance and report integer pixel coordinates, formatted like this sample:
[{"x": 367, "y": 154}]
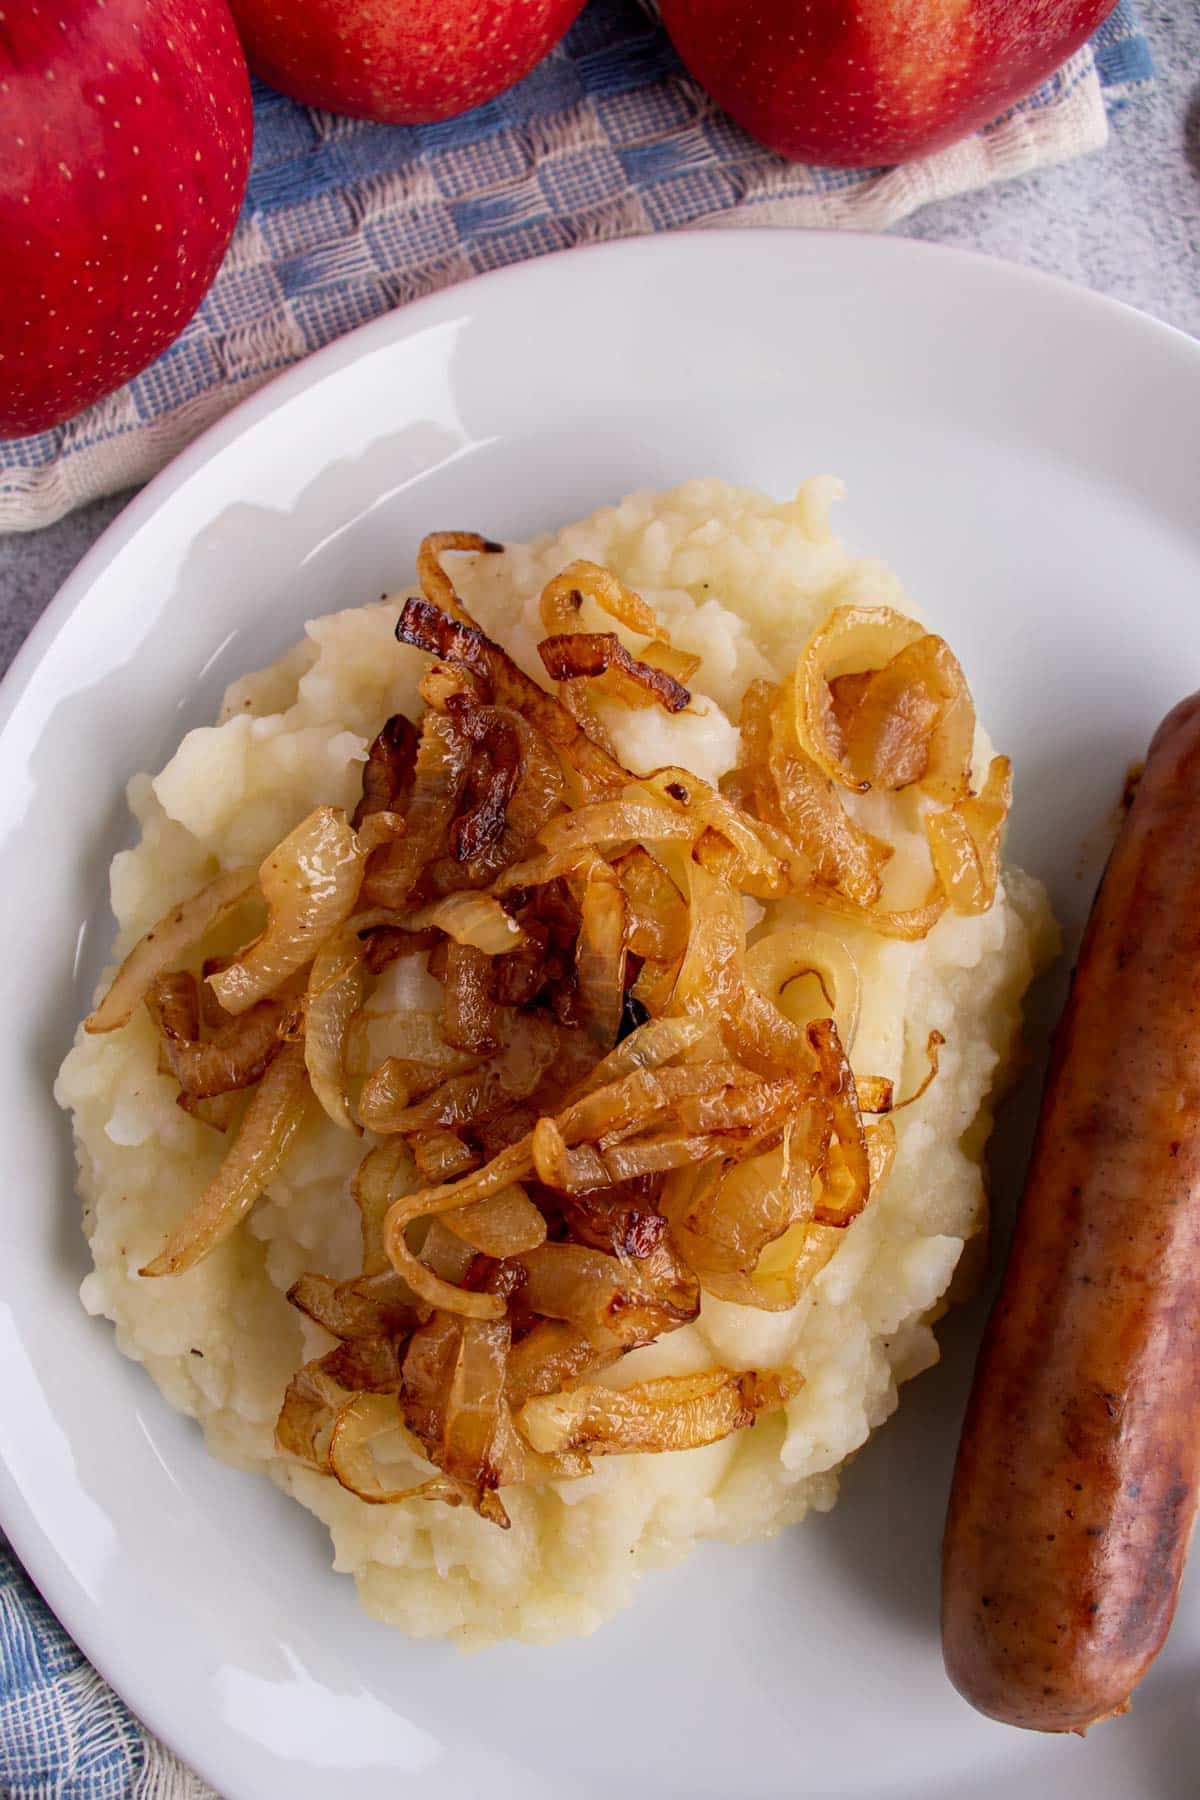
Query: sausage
[{"x": 1078, "y": 1469}]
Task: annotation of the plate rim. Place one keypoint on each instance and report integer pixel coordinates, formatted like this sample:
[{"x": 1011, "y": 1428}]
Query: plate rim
[{"x": 32, "y": 1547}]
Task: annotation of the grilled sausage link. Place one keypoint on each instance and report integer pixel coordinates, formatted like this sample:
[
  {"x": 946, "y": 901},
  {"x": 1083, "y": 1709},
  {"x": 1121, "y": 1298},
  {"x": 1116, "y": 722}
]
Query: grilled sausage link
[{"x": 1079, "y": 1466}]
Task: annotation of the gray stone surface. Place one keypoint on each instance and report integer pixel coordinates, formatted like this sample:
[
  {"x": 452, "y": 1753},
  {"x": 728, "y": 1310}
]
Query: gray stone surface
[{"x": 1125, "y": 221}]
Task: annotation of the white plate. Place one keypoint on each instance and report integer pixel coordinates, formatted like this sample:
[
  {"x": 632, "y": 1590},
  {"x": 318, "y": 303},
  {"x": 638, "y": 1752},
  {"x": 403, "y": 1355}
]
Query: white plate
[{"x": 1028, "y": 456}]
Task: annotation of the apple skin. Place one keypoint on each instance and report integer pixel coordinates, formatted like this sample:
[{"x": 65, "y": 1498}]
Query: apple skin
[
  {"x": 859, "y": 82},
  {"x": 125, "y": 130},
  {"x": 406, "y": 62}
]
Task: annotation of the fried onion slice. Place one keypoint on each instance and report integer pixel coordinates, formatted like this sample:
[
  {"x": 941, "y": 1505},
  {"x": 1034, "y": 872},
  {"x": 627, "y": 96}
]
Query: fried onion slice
[
  {"x": 674, "y": 1412},
  {"x": 587, "y": 654},
  {"x": 273, "y": 1118},
  {"x": 166, "y": 944},
  {"x": 964, "y": 841},
  {"x": 430, "y": 629},
  {"x": 310, "y": 882}
]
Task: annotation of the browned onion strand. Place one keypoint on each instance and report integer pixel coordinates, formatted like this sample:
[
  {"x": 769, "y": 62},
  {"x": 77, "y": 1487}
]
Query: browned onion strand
[
  {"x": 234, "y": 1057},
  {"x": 933, "y": 1044},
  {"x": 337, "y": 986},
  {"x": 167, "y": 943},
  {"x": 964, "y": 841},
  {"x": 471, "y": 1019},
  {"x": 254, "y": 1158},
  {"x": 614, "y": 1299},
  {"x": 675, "y": 1412},
  {"x": 588, "y": 654},
  {"x": 490, "y": 780},
  {"x": 443, "y": 760},
  {"x": 534, "y": 797},
  {"x": 600, "y": 955},
  {"x": 389, "y": 770},
  {"x": 306, "y": 1419},
  {"x": 369, "y": 1306},
  {"x": 551, "y": 1356},
  {"x": 562, "y": 596},
  {"x": 629, "y": 1095},
  {"x": 428, "y": 629},
  {"x": 310, "y": 883},
  {"x": 436, "y": 584},
  {"x": 218, "y": 1112}
]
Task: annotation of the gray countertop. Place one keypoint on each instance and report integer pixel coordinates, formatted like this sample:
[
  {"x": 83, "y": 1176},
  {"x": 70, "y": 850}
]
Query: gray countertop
[{"x": 1124, "y": 221}]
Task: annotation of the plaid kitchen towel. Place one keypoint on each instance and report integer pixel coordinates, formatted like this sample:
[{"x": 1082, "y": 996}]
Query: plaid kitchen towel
[
  {"x": 344, "y": 220},
  {"x": 609, "y": 137}
]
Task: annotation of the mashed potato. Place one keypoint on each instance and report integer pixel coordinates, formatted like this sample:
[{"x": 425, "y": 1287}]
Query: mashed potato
[{"x": 742, "y": 582}]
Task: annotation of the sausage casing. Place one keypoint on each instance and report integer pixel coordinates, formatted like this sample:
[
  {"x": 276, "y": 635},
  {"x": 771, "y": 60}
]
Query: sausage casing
[{"x": 1078, "y": 1469}]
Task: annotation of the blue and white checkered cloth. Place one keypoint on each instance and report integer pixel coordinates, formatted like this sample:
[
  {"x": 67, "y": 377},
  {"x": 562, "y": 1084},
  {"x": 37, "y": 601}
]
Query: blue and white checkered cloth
[
  {"x": 609, "y": 137},
  {"x": 343, "y": 221}
]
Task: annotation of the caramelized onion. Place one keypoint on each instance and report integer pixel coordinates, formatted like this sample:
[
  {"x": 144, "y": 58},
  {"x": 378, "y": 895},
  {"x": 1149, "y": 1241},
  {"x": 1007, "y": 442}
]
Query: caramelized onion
[
  {"x": 616, "y": 821},
  {"x": 310, "y": 882},
  {"x": 471, "y": 1020},
  {"x": 369, "y": 1306},
  {"x": 490, "y": 780},
  {"x": 336, "y": 988},
  {"x": 166, "y": 943},
  {"x": 656, "y": 910},
  {"x": 531, "y": 1042},
  {"x": 674, "y": 1412},
  {"x": 710, "y": 979},
  {"x": 802, "y": 800},
  {"x": 470, "y": 918},
  {"x": 651, "y": 1046},
  {"x": 786, "y": 1269},
  {"x": 443, "y": 1296},
  {"x": 600, "y": 955},
  {"x": 747, "y": 861},
  {"x": 389, "y": 1090},
  {"x": 381, "y": 1175},
  {"x": 389, "y": 770},
  {"x": 428, "y": 629},
  {"x": 779, "y": 962},
  {"x": 844, "y": 1198},
  {"x": 272, "y": 1120},
  {"x": 364, "y": 1425},
  {"x": 436, "y": 585},
  {"x": 881, "y": 1150},
  {"x": 443, "y": 759},
  {"x": 506, "y": 1225},
  {"x": 441, "y": 1155},
  {"x": 933, "y": 1044},
  {"x": 851, "y": 639},
  {"x": 474, "y": 1397},
  {"x": 881, "y": 703},
  {"x": 614, "y": 1298},
  {"x": 723, "y": 1217},
  {"x": 219, "y": 1111},
  {"x": 553, "y": 1355},
  {"x": 586, "y": 654},
  {"x": 681, "y": 664},
  {"x": 233, "y": 1058},
  {"x": 964, "y": 841},
  {"x": 560, "y": 601},
  {"x": 306, "y": 1418},
  {"x": 535, "y": 796},
  {"x": 886, "y": 717},
  {"x": 453, "y": 1400}
]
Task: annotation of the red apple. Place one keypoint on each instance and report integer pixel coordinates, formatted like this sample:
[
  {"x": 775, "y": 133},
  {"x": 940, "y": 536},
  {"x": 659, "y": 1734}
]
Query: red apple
[
  {"x": 125, "y": 130},
  {"x": 857, "y": 82},
  {"x": 405, "y": 61}
]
